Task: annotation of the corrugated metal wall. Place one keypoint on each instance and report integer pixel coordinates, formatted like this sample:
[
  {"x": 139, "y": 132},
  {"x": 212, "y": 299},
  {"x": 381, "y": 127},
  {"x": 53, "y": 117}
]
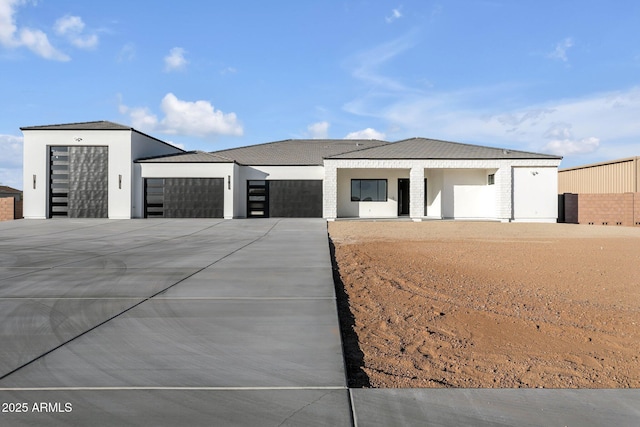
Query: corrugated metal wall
[{"x": 621, "y": 176}]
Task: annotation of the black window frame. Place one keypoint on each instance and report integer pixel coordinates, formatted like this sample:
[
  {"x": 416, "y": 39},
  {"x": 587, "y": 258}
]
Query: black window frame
[
  {"x": 491, "y": 179},
  {"x": 357, "y": 198}
]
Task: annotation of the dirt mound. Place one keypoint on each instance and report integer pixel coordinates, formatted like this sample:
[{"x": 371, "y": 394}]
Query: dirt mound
[{"x": 463, "y": 304}]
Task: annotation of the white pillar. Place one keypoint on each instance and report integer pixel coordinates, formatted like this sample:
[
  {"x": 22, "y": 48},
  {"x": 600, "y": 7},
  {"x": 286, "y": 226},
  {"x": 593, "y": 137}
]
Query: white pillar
[
  {"x": 330, "y": 191},
  {"x": 504, "y": 193},
  {"x": 416, "y": 193}
]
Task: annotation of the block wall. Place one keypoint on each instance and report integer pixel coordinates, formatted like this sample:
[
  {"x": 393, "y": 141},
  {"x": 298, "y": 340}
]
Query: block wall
[
  {"x": 10, "y": 209},
  {"x": 609, "y": 209},
  {"x": 6, "y": 208}
]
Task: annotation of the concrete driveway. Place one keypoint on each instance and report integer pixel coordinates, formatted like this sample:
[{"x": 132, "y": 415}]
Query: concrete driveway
[
  {"x": 211, "y": 322},
  {"x": 166, "y": 322}
]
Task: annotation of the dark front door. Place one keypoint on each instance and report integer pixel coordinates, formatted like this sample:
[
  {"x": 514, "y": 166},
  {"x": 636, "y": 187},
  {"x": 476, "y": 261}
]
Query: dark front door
[
  {"x": 257, "y": 199},
  {"x": 403, "y": 196}
]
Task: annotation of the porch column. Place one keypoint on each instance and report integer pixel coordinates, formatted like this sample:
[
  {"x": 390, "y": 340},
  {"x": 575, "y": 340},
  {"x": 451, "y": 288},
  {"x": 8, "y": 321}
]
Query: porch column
[
  {"x": 330, "y": 191},
  {"x": 504, "y": 193},
  {"x": 416, "y": 193}
]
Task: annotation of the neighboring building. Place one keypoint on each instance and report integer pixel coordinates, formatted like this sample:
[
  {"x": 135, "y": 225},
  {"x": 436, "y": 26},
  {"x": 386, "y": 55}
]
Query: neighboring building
[
  {"x": 418, "y": 178},
  {"x": 10, "y": 192},
  {"x": 605, "y": 193},
  {"x": 615, "y": 176},
  {"x": 10, "y": 203}
]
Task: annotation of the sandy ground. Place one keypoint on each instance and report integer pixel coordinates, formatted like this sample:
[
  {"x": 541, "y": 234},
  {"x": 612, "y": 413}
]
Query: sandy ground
[{"x": 479, "y": 304}]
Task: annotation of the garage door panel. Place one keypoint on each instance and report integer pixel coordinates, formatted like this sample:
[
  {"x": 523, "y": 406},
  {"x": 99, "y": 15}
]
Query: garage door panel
[
  {"x": 79, "y": 181},
  {"x": 295, "y": 198},
  {"x": 184, "y": 197}
]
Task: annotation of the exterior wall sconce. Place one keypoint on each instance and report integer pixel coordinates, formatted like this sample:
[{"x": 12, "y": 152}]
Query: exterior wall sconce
[
  {"x": 120, "y": 182},
  {"x": 229, "y": 182},
  {"x": 34, "y": 182}
]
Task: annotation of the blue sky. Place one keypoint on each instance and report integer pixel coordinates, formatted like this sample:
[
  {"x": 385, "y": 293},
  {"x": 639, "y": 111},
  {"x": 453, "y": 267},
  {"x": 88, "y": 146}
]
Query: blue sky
[{"x": 559, "y": 77}]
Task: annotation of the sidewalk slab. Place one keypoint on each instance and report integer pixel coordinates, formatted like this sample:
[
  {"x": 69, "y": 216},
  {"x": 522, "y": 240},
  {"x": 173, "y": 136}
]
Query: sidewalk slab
[
  {"x": 496, "y": 407},
  {"x": 183, "y": 407}
]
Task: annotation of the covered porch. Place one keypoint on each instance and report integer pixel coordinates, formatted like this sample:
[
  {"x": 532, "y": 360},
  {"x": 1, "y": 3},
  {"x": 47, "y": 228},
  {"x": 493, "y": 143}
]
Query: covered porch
[{"x": 416, "y": 190}]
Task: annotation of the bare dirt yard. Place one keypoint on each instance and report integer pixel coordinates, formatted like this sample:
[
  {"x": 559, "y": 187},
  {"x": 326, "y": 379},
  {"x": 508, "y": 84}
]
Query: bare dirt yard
[{"x": 482, "y": 304}]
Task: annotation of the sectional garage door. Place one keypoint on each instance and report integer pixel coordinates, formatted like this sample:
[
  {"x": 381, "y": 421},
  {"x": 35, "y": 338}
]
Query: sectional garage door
[
  {"x": 285, "y": 198},
  {"x": 184, "y": 197}
]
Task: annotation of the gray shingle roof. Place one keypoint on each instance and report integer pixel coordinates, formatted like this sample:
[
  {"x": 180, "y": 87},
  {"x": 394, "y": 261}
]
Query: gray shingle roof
[
  {"x": 6, "y": 189},
  {"x": 423, "y": 148},
  {"x": 188, "y": 157},
  {"x": 99, "y": 125},
  {"x": 295, "y": 152}
]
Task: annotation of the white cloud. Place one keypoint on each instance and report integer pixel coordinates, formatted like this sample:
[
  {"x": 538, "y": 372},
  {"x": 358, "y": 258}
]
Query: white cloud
[
  {"x": 7, "y": 25},
  {"x": 33, "y": 39},
  {"x": 228, "y": 70},
  {"x": 367, "y": 63},
  {"x": 563, "y": 143},
  {"x": 38, "y": 42},
  {"x": 141, "y": 118},
  {"x": 72, "y": 27},
  {"x": 598, "y": 126},
  {"x": 175, "y": 144},
  {"x": 319, "y": 130},
  {"x": 395, "y": 14},
  {"x": 197, "y": 118},
  {"x": 11, "y": 161},
  {"x": 368, "y": 133},
  {"x": 565, "y": 147},
  {"x": 175, "y": 60},
  {"x": 561, "y": 49},
  {"x": 127, "y": 53}
]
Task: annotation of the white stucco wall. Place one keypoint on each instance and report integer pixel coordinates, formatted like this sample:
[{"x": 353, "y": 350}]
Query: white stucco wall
[
  {"x": 143, "y": 146},
  {"x": 281, "y": 172},
  {"x": 466, "y": 194},
  {"x": 227, "y": 171},
  {"x": 532, "y": 187},
  {"x": 435, "y": 182}
]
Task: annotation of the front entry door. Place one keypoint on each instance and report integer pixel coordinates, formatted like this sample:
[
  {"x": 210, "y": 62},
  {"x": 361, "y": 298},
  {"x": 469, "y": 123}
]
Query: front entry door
[
  {"x": 403, "y": 196},
  {"x": 257, "y": 199}
]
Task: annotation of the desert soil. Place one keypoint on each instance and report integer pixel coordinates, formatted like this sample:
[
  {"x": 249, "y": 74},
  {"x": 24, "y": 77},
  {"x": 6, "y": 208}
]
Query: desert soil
[{"x": 481, "y": 304}]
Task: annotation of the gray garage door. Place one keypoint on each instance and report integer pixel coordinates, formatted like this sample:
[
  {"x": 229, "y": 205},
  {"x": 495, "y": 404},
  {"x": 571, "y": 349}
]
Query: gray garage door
[
  {"x": 295, "y": 198},
  {"x": 184, "y": 197},
  {"x": 78, "y": 182}
]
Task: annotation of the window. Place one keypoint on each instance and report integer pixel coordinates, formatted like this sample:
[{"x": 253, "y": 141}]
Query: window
[
  {"x": 368, "y": 190},
  {"x": 491, "y": 179}
]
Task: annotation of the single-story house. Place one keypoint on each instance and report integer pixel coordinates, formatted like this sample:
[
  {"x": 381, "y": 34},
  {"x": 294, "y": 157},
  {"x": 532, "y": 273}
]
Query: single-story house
[{"x": 106, "y": 170}]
